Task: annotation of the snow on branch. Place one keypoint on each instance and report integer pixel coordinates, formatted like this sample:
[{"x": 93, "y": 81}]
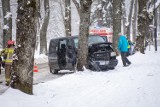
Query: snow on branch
[
  {"x": 152, "y": 26},
  {"x": 6, "y": 27},
  {"x": 99, "y": 6},
  {"x": 8, "y": 15}
]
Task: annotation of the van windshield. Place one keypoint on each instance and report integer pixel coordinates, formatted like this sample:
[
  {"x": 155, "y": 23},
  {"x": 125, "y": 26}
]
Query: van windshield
[{"x": 91, "y": 40}]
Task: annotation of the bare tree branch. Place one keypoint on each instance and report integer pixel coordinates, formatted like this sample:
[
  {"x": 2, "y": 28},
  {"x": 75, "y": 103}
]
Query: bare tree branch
[{"x": 77, "y": 6}]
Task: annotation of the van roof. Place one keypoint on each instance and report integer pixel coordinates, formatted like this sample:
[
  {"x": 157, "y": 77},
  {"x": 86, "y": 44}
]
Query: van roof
[
  {"x": 65, "y": 37},
  {"x": 75, "y": 36}
]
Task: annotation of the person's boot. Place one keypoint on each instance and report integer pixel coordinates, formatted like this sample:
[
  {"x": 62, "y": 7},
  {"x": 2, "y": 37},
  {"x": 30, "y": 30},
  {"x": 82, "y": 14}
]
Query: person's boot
[
  {"x": 7, "y": 83},
  {"x": 0, "y": 70}
]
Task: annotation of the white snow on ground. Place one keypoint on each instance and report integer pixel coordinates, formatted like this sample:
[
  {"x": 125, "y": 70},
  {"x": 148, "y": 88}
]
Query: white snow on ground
[
  {"x": 39, "y": 59},
  {"x": 135, "y": 86}
]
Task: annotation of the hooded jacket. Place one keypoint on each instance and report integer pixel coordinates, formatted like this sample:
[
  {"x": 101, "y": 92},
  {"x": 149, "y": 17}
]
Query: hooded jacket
[{"x": 123, "y": 44}]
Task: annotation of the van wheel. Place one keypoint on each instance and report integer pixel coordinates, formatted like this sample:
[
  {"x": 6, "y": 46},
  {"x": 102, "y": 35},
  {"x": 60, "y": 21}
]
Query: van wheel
[{"x": 54, "y": 71}]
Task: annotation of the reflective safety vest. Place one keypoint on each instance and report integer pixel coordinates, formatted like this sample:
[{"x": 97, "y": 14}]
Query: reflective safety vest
[
  {"x": 8, "y": 53},
  {"x": 129, "y": 46}
]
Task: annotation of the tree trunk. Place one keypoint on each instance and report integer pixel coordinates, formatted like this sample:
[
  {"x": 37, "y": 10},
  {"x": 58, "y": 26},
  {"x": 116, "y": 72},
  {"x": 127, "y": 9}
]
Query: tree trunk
[
  {"x": 108, "y": 14},
  {"x": 7, "y": 18},
  {"x": 142, "y": 25},
  {"x": 68, "y": 17},
  {"x": 1, "y": 31},
  {"x": 100, "y": 12},
  {"x": 159, "y": 19},
  {"x": 83, "y": 34},
  {"x": 134, "y": 26},
  {"x": 26, "y": 39},
  {"x": 77, "y": 6},
  {"x": 117, "y": 13},
  {"x": 43, "y": 32},
  {"x": 130, "y": 20},
  {"x": 38, "y": 16},
  {"x": 124, "y": 17}
]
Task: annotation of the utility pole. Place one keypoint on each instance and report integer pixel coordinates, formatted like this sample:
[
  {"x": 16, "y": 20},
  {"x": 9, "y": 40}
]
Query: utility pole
[{"x": 155, "y": 25}]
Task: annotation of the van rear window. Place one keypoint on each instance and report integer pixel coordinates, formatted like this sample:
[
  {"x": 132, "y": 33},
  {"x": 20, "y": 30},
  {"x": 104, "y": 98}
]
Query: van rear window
[
  {"x": 91, "y": 40},
  {"x": 53, "y": 46}
]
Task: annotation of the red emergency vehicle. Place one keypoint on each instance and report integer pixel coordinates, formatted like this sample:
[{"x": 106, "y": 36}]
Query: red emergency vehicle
[{"x": 103, "y": 31}]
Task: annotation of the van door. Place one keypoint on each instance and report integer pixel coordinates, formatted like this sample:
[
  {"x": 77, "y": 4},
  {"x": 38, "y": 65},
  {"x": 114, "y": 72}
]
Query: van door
[
  {"x": 62, "y": 53},
  {"x": 71, "y": 54},
  {"x": 52, "y": 55}
]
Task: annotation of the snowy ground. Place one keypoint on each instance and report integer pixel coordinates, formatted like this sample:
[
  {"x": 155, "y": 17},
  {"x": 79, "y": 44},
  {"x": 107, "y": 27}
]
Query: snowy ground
[{"x": 135, "y": 86}]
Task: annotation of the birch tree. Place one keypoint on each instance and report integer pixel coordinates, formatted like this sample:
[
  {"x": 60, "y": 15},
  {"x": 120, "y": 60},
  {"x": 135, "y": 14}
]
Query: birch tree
[
  {"x": 7, "y": 18},
  {"x": 26, "y": 39}
]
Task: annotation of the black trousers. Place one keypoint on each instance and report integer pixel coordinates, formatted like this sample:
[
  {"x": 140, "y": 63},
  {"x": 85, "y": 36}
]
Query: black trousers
[{"x": 124, "y": 58}]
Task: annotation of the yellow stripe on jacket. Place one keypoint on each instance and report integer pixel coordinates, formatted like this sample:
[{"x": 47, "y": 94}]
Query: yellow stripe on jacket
[{"x": 9, "y": 52}]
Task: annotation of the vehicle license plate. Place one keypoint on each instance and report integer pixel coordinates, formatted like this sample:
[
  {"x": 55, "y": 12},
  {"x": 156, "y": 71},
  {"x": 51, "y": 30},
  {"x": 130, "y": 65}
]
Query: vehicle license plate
[{"x": 103, "y": 62}]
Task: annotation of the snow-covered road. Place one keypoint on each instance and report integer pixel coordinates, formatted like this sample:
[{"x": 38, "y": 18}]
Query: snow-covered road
[{"x": 43, "y": 75}]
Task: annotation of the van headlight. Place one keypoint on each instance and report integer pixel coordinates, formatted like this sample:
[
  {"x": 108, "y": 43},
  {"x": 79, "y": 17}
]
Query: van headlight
[{"x": 113, "y": 53}]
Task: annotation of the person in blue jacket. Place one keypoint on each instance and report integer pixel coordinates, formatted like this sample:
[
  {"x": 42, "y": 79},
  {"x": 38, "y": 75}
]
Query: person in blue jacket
[{"x": 123, "y": 48}]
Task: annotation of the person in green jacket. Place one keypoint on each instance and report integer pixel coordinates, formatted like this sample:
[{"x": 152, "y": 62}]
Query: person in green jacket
[{"x": 123, "y": 48}]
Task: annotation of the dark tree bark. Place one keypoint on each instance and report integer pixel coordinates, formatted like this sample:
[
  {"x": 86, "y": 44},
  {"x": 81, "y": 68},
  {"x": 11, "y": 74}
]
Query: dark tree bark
[
  {"x": 124, "y": 16},
  {"x": 1, "y": 36},
  {"x": 143, "y": 24},
  {"x": 117, "y": 13},
  {"x": 108, "y": 14},
  {"x": 68, "y": 17},
  {"x": 134, "y": 23},
  {"x": 100, "y": 12},
  {"x": 43, "y": 31},
  {"x": 26, "y": 39},
  {"x": 83, "y": 34},
  {"x": 7, "y": 17}
]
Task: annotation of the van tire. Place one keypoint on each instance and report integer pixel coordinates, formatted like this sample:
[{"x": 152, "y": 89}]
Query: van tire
[{"x": 54, "y": 71}]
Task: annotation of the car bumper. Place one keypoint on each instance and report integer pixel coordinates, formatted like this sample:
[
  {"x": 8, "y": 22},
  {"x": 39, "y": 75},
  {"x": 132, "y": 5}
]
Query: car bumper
[{"x": 105, "y": 65}]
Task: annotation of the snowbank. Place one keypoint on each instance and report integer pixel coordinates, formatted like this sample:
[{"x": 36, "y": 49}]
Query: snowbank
[{"x": 133, "y": 86}]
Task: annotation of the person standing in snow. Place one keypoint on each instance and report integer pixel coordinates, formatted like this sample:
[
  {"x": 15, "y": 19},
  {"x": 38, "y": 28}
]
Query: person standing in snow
[
  {"x": 8, "y": 56},
  {"x": 123, "y": 48}
]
